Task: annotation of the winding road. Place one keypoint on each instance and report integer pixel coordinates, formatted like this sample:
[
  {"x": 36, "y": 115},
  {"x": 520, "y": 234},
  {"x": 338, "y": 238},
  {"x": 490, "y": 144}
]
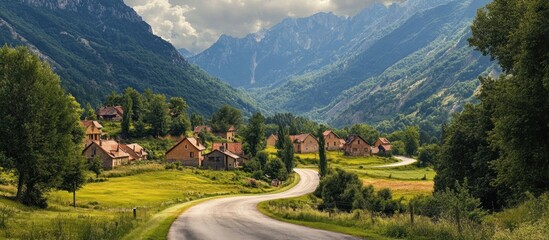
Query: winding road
[
  {"x": 403, "y": 162},
  {"x": 238, "y": 218}
]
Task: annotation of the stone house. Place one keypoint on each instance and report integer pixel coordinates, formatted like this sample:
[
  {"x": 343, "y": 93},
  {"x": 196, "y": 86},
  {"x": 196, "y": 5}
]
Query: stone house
[
  {"x": 109, "y": 151},
  {"x": 113, "y": 113},
  {"x": 221, "y": 160},
  {"x": 382, "y": 146},
  {"x": 188, "y": 152},
  {"x": 332, "y": 141},
  {"x": 356, "y": 146},
  {"x": 304, "y": 143},
  {"x": 135, "y": 151}
]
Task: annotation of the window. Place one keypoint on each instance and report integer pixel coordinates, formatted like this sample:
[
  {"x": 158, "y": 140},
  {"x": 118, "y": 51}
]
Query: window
[
  {"x": 185, "y": 146},
  {"x": 335, "y": 144},
  {"x": 211, "y": 159},
  {"x": 327, "y": 144},
  {"x": 355, "y": 150},
  {"x": 191, "y": 154},
  {"x": 358, "y": 141}
]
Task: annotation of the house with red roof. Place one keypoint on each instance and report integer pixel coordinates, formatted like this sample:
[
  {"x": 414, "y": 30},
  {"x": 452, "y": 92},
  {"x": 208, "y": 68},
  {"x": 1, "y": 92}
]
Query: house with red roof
[
  {"x": 332, "y": 141},
  {"x": 304, "y": 143},
  {"x": 356, "y": 146}
]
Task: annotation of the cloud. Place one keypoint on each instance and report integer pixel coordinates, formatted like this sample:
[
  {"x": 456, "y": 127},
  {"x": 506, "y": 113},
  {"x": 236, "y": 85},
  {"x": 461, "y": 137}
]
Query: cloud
[{"x": 197, "y": 24}]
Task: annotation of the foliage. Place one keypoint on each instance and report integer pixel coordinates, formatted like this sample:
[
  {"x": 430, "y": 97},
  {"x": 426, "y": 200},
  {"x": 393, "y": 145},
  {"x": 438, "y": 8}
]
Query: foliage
[
  {"x": 88, "y": 113},
  {"x": 410, "y": 137},
  {"x": 322, "y": 161},
  {"x": 41, "y": 121},
  {"x": 515, "y": 33},
  {"x": 276, "y": 169},
  {"x": 398, "y": 147},
  {"x": 224, "y": 118},
  {"x": 287, "y": 152},
  {"x": 254, "y": 134},
  {"x": 157, "y": 115},
  {"x": 73, "y": 178},
  {"x": 295, "y": 124},
  {"x": 127, "y": 116},
  {"x": 196, "y": 120},
  {"x": 427, "y": 155}
]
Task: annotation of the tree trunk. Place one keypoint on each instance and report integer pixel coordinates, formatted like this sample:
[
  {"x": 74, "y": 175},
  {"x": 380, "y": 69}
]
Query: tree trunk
[{"x": 20, "y": 183}]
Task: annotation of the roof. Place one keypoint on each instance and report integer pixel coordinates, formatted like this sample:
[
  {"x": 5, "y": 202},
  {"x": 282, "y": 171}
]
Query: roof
[
  {"x": 109, "y": 111},
  {"x": 384, "y": 141},
  {"x": 231, "y": 129},
  {"x": 201, "y": 128},
  {"x": 111, "y": 147},
  {"x": 327, "y": 132},
  {"x": 234, "y": 147},
  {"x": 137, "y": 149},
  {"x": 300, "y": 138},
  {"x": 387, "y": 147},
  {"x": 227, "y": 153},
  {"x": 87, "y": 124},
  {"x": 191, "y": 140},
  {"x": 353, "y": 138}
]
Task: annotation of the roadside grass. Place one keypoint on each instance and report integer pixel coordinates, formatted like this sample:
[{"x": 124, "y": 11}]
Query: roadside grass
[
  {"x": 158, "y": 225},
  {"x": 104, "y": 209}
]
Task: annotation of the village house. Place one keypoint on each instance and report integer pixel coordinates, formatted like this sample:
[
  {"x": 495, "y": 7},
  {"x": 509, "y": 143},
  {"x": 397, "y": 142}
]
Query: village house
[
  {"x": 332, "y": 140},
  {"x": 136, "y": 152},
  {"x": 356, "y": 146},
  {"x": 230, "y": 134},
  {"x": 304, "y": 143},
  {"x": 382, "y": 146},
  {"x": 93, "y": 131},
  {"x": 221, "y": 160},
  {"x": 233, "y": 147},
  {"x": 113, "y": 113},
  {"x": 109, "y": 151},
  {"x": 271, "y": 140},
  {"x": 202, "y": 128},
  {"x": 188, "y": 152}
]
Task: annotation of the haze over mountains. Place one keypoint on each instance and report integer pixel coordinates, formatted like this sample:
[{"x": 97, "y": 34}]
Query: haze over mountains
[
  {"x": 411, "y": 59},
  {"x": 99, "y": 46}
]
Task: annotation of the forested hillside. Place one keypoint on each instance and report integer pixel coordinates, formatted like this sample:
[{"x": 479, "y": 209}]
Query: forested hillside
[{"x": 99, "y": 46}]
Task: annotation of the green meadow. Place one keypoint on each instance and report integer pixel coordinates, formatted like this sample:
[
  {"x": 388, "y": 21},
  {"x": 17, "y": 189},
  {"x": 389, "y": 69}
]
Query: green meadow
[{"x": 105, "y": 209}]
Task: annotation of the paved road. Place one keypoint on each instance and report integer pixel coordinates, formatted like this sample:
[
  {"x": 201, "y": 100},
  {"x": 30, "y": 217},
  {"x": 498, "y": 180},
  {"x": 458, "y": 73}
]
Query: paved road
[
  {"x": 403, "y": 162},
  {"x": 238, "y": 218}
]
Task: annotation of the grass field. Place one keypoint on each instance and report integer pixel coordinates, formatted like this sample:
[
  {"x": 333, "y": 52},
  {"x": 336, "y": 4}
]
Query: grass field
[{"x": 106, "y": 207}]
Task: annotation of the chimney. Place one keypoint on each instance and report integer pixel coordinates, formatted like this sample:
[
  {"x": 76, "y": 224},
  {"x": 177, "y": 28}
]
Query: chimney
[
  {"x": 100, "y": 142},
  {"x": 134, "y": 147}
]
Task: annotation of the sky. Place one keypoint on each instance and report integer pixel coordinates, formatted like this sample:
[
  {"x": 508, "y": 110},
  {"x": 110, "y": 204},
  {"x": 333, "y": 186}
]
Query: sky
[{"x": 197, "y": 24}]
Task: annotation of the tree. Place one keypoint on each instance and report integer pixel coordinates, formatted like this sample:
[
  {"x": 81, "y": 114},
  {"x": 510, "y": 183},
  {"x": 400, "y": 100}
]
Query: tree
[
  {"x": 73, "y": 178},
  {"x": 226, "y": 117},
  {"x": 138, "y": 108},
  {"x": 177, "y": 106},
  {"x": 339, "y": 189},
  {"x": 275, "y": 169},
  {"x": 279, "y": 144},
  {"x": 42, "y": 122},
  {"x": 114, "y": 99},
  {"x": 322, "y": 162},
  {"x": 89, "y": 113},
  {"x": 410, "y": 137},
  {"x": 262, "y": 158},
  {"x": 515, "y": 33},
  {"x": 127, "y": 116},
  {"x": 180, "y": 119},
  {"x": 286, "y": 154},
  {"x": 254, "y": 134},
  {"x": 196, "y": 120},
  {"x": 96, "y": 166},
  {"x": 158, "y": 116},
  {"x": 466, "y": 154},
  {"x": 428, "y": 154}
]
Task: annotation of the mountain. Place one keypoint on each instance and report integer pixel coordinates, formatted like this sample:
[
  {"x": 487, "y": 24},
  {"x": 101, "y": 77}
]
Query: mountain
[
  {"x": 99, "y": 46},
  {"x": 298, "y": 46},
  {"x": 185, "y": 53},
  {"x": 405, "y": 62}
]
